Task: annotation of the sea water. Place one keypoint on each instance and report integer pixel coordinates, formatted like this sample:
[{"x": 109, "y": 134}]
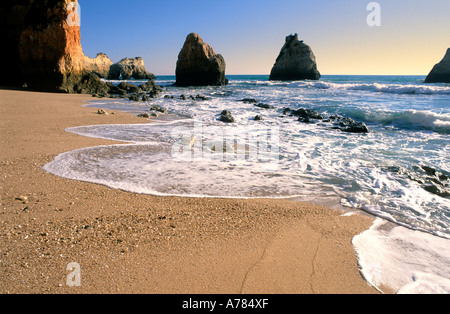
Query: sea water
[{"x": 399, "y": 171}]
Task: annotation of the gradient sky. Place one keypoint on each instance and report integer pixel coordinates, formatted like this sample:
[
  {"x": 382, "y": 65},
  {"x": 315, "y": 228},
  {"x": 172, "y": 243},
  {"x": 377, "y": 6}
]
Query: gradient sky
[{"x": 413, "y": 36}]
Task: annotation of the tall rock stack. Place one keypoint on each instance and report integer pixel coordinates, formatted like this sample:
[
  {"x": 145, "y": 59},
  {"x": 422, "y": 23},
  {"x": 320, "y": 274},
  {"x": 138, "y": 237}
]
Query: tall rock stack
[
  {"x": 295, "y": 62},
  {"x": 441, "y": 71},
  {"x": 199, "y": 65}
]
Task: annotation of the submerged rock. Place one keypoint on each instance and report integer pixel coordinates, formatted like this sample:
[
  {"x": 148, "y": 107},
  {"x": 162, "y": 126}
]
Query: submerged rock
[
  {"x": 351, "y": 126},
  {"x": 307, "y": 114},
  {"x": 226, "y": 117},
  {"x": 259, "y": 118},
  {"x": 264, "y": 106},
  {"x": 158, "y": 109},
  {"x": 199, "y": 65},
  {"x": 441, "y": 71},
  {"x": 295, "y": 62},
  {"x": 249, "y": 100},
  {"x": 340, "y": 123}
]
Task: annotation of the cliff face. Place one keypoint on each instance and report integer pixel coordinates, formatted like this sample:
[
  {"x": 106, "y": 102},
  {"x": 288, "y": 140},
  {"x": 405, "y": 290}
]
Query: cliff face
[
  {"x": 295, "y": 62},
  {"x": 43, "y": 46},
  {"x": 441, "y": 71},
  {"x": 49, "y": 49},
  {"x": 12, "y": 20},
  {"x": 199, "y": 65}
]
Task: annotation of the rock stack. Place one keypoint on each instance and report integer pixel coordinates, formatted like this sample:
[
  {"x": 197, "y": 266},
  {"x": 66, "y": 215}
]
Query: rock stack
[
  {"x": 441, "y": 71},
  {"x": 295, "y": 62},
  {"x": 199, "y": 65},
  {"x": 100, "y": 65},
  {"x": 130, "y": 68}
]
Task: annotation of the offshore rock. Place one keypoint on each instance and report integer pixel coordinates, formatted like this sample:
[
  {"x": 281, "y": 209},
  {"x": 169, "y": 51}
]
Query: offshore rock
[
  {"x": 100, "y": 65},
  {"x": 199, "y": 65},
  {"x": 295, "y": 62},
  {"x": 441, "y": 71},
  {"x": 128, "y": 68}
]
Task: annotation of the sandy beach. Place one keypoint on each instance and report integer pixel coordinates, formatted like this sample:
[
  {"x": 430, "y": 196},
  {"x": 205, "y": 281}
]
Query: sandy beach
[{"x": 129, "y": 243}]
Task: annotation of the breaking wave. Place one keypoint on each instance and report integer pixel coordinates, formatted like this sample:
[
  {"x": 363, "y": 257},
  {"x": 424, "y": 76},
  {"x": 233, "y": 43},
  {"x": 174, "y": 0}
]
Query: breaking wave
[{"x": 377, "y": 87}]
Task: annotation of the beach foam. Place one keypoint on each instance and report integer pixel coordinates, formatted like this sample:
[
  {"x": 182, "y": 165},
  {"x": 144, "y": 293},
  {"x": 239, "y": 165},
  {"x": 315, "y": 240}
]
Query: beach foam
[{"x": 407, "y": 261}]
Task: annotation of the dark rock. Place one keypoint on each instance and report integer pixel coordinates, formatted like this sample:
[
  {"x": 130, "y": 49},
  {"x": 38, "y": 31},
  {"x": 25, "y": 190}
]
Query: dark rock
[
  {"x": 201, "y": 98},
  {"x": 264, "y": 106},
  {"x": 429, "y": 171},
  {"x": 286, "y": 111},
  {"x": 304, "y": 119},
  {"x": 295, "y": 62},
  {"x": 149, "y": 86},
  {"x": 351, "y": 126},
  {"x": 129, "y": 88},
  {"x": 437, "y": 190},
  {"x": 307, "y": 113},
  {"x": 249, "y": 100},
  {"x": 92, "y": 84},
  {"x": 199, "y": 65},
  {"x": 226, "y": 117},
  {"x": 259, "y": 118},
  {"x": 159, "y": 109},
  {"x": 441, "y": 71}
]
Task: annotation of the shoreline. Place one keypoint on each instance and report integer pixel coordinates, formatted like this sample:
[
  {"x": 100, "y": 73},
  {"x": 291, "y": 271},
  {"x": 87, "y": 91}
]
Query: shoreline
[{"x": 132, "y": 243}]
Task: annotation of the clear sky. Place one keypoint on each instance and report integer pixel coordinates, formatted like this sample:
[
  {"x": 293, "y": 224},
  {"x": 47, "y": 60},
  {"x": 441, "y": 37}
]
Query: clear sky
[{"x": 413, "y": 36}]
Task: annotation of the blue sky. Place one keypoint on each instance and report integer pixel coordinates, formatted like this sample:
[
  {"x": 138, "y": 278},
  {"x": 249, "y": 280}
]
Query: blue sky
[{"x": 413, "y": 36}]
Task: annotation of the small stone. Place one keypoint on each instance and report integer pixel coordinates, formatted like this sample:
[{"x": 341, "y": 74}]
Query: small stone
[{"x": 102, "y": 112}]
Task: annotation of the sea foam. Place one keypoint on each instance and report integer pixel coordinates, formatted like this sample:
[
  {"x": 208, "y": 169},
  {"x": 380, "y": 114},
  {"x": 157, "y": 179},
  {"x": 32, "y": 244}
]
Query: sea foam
[{"x": 406, "y": 261}]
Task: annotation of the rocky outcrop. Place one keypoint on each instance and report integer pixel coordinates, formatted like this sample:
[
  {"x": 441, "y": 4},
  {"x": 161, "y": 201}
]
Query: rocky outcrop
[
  {"x": 199, "y": 65},
  {"x": 128, "y": 68},
  {"x": 441, "y": 71},
  {"x": 100, "y": 65},
  {"x": 295, "y": 62},
  {"x": 42, "y": 49}
]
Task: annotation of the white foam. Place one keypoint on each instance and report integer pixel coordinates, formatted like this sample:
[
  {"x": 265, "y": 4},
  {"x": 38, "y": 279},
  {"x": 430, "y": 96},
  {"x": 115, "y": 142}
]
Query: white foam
[
  {"x": 404, "y": 260},
  {"x": 421, "y": 89}
]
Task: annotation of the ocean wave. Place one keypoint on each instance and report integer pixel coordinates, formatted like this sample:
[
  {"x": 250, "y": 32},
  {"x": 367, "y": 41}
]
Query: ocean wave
[
  {"x": 410, "y": 118},
  {"x": 377, "y": 87}
]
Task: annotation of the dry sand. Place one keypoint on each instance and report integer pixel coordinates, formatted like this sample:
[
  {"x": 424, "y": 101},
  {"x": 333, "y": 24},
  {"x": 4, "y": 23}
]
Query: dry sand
[{"x": 129, "y": 243}]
